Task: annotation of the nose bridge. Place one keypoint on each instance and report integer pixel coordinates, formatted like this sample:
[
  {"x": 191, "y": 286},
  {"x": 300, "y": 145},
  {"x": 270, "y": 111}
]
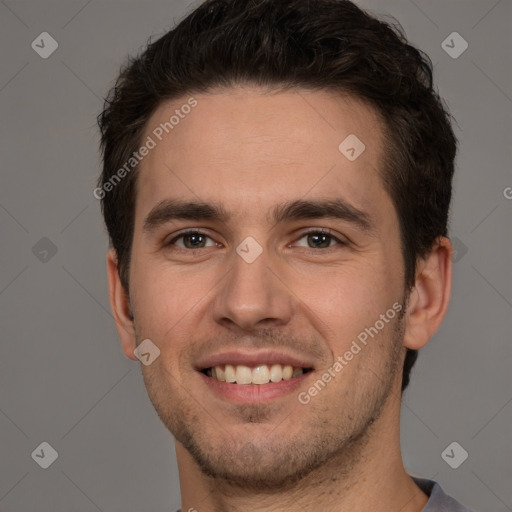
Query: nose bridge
[{"x": 251, "y": 293}]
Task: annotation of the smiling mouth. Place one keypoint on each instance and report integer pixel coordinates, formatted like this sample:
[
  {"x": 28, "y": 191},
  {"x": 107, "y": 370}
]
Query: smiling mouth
[{"x": 259, "y": 374}]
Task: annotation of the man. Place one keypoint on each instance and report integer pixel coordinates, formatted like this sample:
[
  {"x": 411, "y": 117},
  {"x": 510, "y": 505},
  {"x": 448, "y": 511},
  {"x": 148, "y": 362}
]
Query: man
[{"x": 276, "y": 185}]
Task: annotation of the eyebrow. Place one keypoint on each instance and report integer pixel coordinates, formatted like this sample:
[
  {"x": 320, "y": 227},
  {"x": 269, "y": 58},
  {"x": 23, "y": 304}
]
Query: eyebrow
[{"x": 339, "y": 209}]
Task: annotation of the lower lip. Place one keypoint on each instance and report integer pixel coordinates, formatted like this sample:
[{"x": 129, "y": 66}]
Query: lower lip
[{"x": 254, "y": 393}]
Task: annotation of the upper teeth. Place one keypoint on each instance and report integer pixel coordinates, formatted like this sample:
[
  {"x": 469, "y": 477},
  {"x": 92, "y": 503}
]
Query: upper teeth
[{"x": 261, "y": 374}]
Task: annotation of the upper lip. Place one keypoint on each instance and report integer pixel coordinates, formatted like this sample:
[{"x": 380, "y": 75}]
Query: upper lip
[{"x": 236, "y": 357}]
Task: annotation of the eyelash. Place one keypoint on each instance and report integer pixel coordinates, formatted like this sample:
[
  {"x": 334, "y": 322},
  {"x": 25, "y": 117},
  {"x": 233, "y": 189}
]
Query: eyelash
[{"x": 318, "y": 231}]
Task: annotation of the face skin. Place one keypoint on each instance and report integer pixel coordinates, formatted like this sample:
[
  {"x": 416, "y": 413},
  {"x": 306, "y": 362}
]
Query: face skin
[{"x": 307, "y": 295}]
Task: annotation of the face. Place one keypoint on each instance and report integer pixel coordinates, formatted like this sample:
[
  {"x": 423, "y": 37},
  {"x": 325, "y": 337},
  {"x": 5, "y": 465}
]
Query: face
[{"x": 260, "y": 243}]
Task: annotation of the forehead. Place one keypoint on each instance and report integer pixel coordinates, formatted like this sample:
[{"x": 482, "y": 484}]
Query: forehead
[{"x": 252, "y": 149}]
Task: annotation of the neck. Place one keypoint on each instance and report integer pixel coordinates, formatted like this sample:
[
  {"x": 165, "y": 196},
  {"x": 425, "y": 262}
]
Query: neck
[{"x": 377, "y": 480}]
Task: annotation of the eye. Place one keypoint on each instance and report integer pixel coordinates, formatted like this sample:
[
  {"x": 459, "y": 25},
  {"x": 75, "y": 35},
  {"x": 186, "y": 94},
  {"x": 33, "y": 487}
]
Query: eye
[
  {"x": 192, "y": 239},
  {"x": 319, "y": 239}
]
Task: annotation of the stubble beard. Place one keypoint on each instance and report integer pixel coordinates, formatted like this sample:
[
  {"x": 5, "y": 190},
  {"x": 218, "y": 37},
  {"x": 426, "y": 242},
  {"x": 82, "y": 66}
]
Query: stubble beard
[{"x": 272, "y": 462}]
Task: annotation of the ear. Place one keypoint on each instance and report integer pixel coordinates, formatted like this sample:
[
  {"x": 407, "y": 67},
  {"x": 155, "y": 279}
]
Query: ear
[
  {"x": 429, "y": 298},
  {"x": 120, "y": 304}
]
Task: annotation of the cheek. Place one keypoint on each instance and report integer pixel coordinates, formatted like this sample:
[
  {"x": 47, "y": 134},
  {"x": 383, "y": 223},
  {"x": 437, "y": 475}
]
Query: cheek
[
  {"x": 166, "y": 297},
  {"x": 344, "y": 301}
]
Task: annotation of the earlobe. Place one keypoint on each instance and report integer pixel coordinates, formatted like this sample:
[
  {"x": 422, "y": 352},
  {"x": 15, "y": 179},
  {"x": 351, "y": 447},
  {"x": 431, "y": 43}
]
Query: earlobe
[
  {"x": 120, "y": 304},
  {"x": 429, "y": 299}
]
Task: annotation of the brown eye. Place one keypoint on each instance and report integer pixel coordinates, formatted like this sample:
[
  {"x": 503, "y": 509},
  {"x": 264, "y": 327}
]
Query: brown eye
[
  {"x": 191, "y": 240},
  {"x": 320, "y": 240}
]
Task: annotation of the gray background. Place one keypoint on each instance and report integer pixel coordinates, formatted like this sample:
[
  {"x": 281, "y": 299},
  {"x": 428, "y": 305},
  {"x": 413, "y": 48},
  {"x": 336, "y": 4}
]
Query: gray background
[{"x": 63, "y": 377}]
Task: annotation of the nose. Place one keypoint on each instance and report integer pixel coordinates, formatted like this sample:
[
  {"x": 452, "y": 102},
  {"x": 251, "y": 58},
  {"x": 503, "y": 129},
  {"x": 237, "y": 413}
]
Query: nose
[{"x": 253, "y": 295}]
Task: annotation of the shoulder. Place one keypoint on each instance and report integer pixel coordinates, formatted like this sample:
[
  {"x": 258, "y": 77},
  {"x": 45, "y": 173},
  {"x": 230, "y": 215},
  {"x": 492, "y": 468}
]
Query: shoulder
[{"x": 438, "y": 501}]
